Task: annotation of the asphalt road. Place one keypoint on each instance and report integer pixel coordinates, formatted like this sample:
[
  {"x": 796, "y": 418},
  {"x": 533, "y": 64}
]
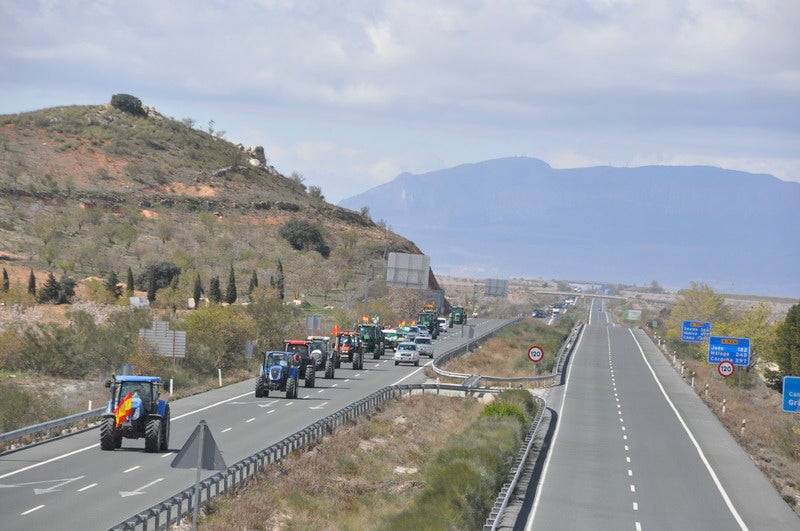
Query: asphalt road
[
  {"x": 69, "y": 483},
  {"x": 635, "y": 448}
]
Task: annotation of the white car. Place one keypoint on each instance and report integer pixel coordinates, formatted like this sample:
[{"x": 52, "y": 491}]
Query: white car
[
  {"x": 424, "y": 346},
  {"x": 424, "y": 330},
  {"x": 442, "y": 324},
  {"x": 406, "y": 352}
]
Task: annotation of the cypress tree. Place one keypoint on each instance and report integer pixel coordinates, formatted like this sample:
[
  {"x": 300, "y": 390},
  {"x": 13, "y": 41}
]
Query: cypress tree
[
  {"x": 214, "y": 293},
  {"x": 6, "y": 283},
  {"x": 279, "y": 283},
  {"x": 129, "y": 284},
  {"x": 151, "y": 285},
  {"x": 253, "y": 283},
  {"x": 198, "y": 290},
  {"x": 230, "y": 292},
  {"x": 32, "y": 283}
]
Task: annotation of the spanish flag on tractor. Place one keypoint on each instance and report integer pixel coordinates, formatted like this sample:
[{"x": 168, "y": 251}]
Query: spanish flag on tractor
[{"x": 124, "y": 409}]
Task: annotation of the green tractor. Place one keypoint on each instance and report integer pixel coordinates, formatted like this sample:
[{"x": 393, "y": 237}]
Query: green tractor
[
  {"x": 458, "y": 315},
  {"x": 372, "y": 339},
  {"x": 135, "y": 411},
  {"x": 429, "y": 319}
]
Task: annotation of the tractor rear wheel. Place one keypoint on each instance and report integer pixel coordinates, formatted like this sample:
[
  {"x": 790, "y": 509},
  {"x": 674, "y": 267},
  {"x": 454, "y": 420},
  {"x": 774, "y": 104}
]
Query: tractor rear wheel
[
  {"x": 311, "y": 375},
  {"x": 164, "y": 445},
  {"x": 152, "y": 435},
  {"x": 330, "y": 369},
  {"x": 108, "y": 437}
]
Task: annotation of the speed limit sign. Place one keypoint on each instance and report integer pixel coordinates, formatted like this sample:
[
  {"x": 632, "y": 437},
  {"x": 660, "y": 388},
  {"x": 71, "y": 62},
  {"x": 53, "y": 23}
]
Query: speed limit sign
[
  {"x": 725, "y": 368},
  {"x": 535, "y": 354}
]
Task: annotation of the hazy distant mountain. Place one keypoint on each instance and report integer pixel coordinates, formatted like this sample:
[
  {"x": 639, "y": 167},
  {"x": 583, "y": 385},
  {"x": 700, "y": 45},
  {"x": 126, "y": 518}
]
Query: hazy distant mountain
[{"x": 518, "y": 217}]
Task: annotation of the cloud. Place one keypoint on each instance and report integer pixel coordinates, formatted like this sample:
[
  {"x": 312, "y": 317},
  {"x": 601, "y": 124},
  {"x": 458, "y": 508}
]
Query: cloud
[{"x": 381, "y": 85}]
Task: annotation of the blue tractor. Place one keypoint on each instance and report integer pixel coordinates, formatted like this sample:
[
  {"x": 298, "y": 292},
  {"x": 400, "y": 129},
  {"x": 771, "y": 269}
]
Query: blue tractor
[
  {"x": 135, "y": 411},
  {"x": 280, "y": 371}
]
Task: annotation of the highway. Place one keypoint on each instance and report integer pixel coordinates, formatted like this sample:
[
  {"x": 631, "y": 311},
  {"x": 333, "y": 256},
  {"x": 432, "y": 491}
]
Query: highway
[
  {"x": 69, "y": 483},
  {"x": 635, "y": 448}
]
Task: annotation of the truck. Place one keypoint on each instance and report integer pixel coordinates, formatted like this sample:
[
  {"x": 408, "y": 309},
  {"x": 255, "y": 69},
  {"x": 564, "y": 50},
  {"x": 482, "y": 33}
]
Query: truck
[
  {"x": 429, "y": 319},
  {"x": 279, "y": 371},
  {"x": 458, "y": 315},
  {"x": 135, "y": 411},
  {"x": 372, "y": 338}
]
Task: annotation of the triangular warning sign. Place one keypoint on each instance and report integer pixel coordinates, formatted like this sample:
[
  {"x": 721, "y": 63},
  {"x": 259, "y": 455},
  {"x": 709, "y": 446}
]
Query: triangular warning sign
[{"x": 211, "y": 456}]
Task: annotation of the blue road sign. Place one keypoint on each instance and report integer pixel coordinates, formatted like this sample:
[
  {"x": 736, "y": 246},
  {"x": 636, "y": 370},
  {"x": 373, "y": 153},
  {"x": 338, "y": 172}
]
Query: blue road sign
[
  {"x": 733, "y": 349},
  {"x": 695, "y": 331},
  {"x": 791, "y": 394}
]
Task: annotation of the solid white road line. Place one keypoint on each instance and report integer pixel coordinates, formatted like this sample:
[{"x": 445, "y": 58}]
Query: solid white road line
[{"x": 692, "y": 438}]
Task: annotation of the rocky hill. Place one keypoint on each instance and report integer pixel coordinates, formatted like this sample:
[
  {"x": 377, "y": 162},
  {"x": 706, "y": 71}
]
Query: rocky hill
[{"x": 85, "y": 190}]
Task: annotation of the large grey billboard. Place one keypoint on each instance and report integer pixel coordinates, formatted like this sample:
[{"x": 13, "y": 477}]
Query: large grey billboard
[
  {"x": 408, "y": 270},
  {"x": 496, "y": 288}
]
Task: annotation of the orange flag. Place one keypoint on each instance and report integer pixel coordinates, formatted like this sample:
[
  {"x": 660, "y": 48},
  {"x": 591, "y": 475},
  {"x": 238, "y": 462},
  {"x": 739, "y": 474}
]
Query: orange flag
[
  {"x": 335, "y": 331},
  {"x": 365, "y": 318},
  {"x": 124, "y": 409}
]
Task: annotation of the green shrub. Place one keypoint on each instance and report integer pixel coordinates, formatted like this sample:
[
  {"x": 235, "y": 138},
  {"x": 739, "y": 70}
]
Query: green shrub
[
  {"x": 503, "y": 410},
  {"x": 20, "y": 407},
  {"x": 128, "y": 104}
]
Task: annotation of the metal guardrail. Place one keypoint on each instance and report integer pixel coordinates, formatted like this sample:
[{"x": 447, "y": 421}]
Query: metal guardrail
[
  {"x": 516, "y": 471},
  {"x": 47, "y": 429},
  {"x": 174, "y": 508},
  {"x": 459, "y": 351},
  {"x": 475, "y": 379},
  {"x": 507, "y": 491}
]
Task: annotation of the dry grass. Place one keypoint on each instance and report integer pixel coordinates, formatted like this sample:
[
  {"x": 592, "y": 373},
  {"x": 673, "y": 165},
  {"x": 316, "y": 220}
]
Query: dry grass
[
  {"x": 771, "y": 438},
  {"x": 353, "y": 480},
  {"x": 507, "y": 354}
]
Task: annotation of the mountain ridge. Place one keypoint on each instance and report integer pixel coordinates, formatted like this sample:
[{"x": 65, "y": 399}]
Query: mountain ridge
[{"x": 632, "y": 225}]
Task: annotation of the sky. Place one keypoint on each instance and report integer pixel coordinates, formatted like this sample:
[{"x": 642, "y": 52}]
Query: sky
[{"x": 351, "y": 93}]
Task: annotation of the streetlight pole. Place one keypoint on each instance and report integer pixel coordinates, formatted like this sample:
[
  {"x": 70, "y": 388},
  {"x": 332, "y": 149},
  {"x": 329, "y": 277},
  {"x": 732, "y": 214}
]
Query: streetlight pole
[{"x": 366, "y": 287}]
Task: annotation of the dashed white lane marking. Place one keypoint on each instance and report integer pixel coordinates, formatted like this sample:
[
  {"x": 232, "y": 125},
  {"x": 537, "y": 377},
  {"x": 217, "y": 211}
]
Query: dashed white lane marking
[
  {"x": 29, "y": 511},
  {"x": 270, "y": 411},
  {"x": 638, "y": 526},
  {"x": 167, "y": 454},
  {"x": 87, "y": 487},
  {"x": 289, "y": 404},
  {"x": 321, "y": 390},
  {"x": 630, "y": 472},
  {"x": 226, "y": 430},
  {"x": 628, "y": 459},
  {"x": 635, "y": 506},
  {"x": 347, "y": 380},
  {"x": 334, "y": 385},
  {"x": 250, "y": 420},
  {"x": 131, "y": 469},
  {"x": 633, "y": 488}
]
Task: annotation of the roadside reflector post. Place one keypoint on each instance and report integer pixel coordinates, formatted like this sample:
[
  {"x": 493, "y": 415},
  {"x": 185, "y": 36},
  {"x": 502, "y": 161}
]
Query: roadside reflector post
[
  {"x": 706, "y": 391},
  {"x": 219, "y": 373},
  {"x": 683, "y": 368},
  {"x": 744, "y": 424},
  {"x": 693, "y": 373},
  {"x": 724, "y": 403}
]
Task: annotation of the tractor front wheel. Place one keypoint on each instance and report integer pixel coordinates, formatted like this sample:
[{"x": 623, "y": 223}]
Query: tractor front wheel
[
  {"x": 108, "y": 435},
  {"x": 152, "y": 435},
  {"x": 259, "y": 387},
  {"x": 330, "y": 369},
  {"x": 291, "y": 388},
  {"x": 358, "y": 361}
]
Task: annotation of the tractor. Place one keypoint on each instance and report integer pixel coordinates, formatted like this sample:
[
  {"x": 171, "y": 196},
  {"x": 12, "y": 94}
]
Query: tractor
[
  {"x": 278, "y": 372},
  {"x": 349, "y": 344},
  {"x": 372, "y": 339},
  {"x": 135, "y": 411},
  {"x": 322, "y": 345},
  {"x": 309, "y": 361}
]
